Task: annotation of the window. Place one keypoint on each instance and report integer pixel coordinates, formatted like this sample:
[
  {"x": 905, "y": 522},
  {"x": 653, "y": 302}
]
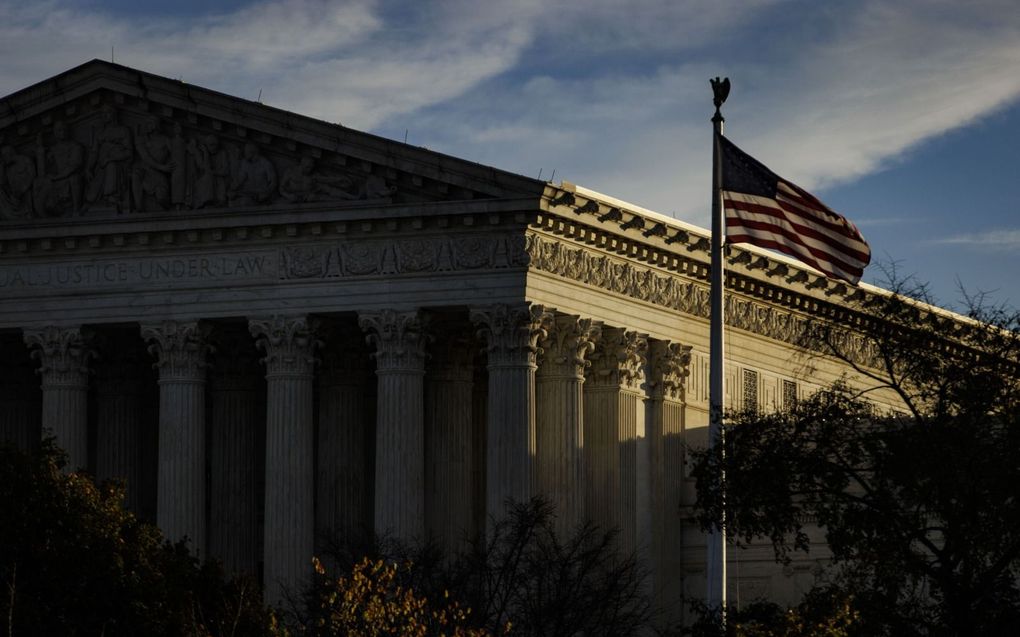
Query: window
[
  {"x": 789, "y": 394},
  {"x": 750, "y": 390}
]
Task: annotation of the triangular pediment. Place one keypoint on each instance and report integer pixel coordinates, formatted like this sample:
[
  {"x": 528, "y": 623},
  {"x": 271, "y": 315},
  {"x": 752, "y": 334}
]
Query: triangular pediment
[{"x": 104, "y": 139}]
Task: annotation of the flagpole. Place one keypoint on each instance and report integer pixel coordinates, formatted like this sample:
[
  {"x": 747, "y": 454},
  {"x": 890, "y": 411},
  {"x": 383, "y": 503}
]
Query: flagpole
[{"x": 716, "y": 570}]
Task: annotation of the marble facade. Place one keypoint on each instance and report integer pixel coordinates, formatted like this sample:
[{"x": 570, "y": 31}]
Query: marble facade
[{"x": 277, "y": 330}]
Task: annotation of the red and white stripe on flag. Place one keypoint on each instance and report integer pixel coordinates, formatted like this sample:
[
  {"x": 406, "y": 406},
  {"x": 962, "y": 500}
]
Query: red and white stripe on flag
[{"x": 798, "y": 224}]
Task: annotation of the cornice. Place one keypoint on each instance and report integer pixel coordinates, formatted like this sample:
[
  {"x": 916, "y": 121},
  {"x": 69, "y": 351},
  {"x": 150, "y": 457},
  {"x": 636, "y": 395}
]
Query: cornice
[{"x": 168, "y": 230}]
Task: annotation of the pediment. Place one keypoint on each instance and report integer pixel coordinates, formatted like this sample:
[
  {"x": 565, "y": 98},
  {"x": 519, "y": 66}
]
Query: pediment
[{"x": 103, "y": 139}]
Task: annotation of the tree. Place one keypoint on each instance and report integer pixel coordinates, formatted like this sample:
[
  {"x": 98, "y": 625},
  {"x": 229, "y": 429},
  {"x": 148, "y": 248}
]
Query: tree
[
  {"x": 920, "y": 506},
  {"x": 525, "y": 577},
  {"x": 74, "y": 561},
  {"x": 371, "y": 601}
]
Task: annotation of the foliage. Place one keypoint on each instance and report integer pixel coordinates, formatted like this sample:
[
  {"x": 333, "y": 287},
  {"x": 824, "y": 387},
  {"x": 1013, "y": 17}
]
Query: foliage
[
  {"x": 525, "y": 578},
  {"x": 73, "y": 561},
  {"x": 823, "y": 613},
  {"x": 372, "y": 602},
  {"x": 919, "y": 506}
]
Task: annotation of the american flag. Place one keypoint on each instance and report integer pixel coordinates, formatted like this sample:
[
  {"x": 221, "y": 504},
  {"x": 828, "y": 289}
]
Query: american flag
[{"x": 764, "y": 209}]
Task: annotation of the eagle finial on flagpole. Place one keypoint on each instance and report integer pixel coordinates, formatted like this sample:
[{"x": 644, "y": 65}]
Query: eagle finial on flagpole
[{"x": 720, "y": 91}]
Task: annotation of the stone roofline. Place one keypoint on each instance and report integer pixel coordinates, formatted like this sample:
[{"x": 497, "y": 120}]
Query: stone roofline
[{"x": 750, "y": 269}]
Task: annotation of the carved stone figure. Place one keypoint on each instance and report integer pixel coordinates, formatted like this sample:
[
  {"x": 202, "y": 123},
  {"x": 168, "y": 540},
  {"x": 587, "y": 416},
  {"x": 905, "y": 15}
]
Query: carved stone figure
[
  {"x": 212, "y": 168},
  {"x": 178, "y": 168},
  {"x": 60, "y": 174},
  {"x": 16, "y": 176},
  {"x": 254, "y": 180},
  {"x": 150, "y": 177},
  {"x": 302, "y": 183},
  {"x": 109, "y": 163},
  {"x": 377, "y": 188}
]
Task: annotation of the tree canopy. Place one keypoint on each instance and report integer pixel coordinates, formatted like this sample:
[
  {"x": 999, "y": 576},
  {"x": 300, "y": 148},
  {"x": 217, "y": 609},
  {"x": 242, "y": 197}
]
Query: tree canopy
[{"x": 919, "y": 504}]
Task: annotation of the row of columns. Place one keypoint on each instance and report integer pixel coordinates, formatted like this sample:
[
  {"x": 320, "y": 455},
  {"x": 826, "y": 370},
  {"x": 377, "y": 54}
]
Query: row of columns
[{"x": 543, "y": 433}]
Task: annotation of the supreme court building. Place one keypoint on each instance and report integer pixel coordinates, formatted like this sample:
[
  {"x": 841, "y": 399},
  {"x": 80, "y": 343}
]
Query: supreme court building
[{"x": 277, "y": 329}]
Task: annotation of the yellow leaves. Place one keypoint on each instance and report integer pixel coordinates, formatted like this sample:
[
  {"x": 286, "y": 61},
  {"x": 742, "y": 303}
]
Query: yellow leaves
[{"x": 372, "y": 602}]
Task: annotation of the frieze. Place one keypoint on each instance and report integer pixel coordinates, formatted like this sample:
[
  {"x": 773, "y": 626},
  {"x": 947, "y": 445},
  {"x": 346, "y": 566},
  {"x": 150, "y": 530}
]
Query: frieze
[{"x": 670, "y": 291}]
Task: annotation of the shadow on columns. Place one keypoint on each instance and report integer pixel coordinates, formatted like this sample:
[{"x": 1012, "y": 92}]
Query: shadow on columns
[{"x": 20, "y": 394}]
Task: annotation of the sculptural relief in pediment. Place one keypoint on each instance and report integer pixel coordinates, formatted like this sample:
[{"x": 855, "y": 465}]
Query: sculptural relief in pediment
[{"x": 115, "y": 157}]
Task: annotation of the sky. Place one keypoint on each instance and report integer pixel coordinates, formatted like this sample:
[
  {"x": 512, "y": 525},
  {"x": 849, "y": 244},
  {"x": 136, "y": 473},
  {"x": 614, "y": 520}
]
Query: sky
[{"x": 902, "y": 115}]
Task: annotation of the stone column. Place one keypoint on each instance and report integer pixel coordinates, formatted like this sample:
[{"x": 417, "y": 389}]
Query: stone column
[
  {"x": 180, "y": 349},
  {"x": 668, "y": 370},
  {"x": 511, "y": 334},
  {"x": 234, "y": 384},
  {"x": 289, "y": 345},
  {"x": 64, "y": 354},
  {"x": 399, "y": 341},
  {"x": 560, "y": 421},
  {"x": 448, "y": 438},
  {"x": 612, "y": 394},
  {"x": 342, "y": 505},
  {"x": 119, "y": 417}
]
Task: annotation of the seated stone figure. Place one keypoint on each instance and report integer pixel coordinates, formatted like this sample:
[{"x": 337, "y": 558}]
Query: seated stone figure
[
  {"x": 254, "y": 180},
  {"x": 16, "y": 177},
  {"x": 301, "y": 183}
]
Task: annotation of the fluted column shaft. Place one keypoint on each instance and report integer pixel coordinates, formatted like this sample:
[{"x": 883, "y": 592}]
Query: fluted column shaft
[
  {"x": 234, "y": 414},
  {"x": 448, "y": 440},
  {"x": 668, "y": 370},
  {"x": 64, "y": 355},
  {"x": 180, "y": 349},
  {"x": 399, "y": 341},
  {"x": 511, "y": 335},
  {"x": 560, "y": 418},
  {"x": 611, "y": 396},
  {"x": 289, "y": 346}
]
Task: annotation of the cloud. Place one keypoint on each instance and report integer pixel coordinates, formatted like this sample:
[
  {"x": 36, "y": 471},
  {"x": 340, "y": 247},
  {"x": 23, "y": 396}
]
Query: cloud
[
  {"x": 339, "y": 61},
  {"x": 992, "y": 239},
  {"x": 841, "y": 93},
  {"x": 613, "y": 96}
]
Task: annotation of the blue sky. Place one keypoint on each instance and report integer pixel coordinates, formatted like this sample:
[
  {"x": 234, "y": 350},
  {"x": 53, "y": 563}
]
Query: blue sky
[{"x": 903, "y": 115}]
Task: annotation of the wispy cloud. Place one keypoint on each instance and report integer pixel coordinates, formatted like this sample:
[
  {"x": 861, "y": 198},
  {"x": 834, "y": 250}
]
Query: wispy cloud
[
  {"x": 612, "y": 95},
  {"x": 993, "y": 239}
]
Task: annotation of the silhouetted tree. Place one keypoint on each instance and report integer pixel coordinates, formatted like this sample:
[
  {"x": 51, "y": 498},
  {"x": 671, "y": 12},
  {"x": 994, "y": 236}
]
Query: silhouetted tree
[
  {"x": 920, "y": 506},
  {"x": 74, "y": 561}
]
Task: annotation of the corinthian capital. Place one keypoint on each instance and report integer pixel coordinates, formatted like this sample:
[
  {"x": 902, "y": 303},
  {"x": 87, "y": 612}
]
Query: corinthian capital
[
  {"x": 511, "y": 332},
  {"x": 399, "y": 339},
  {"x": 180, "y": 348},
  {"x": 289, "y": 344},
  {"x": 618, "y": 359},
  {"x": 63, "y": 354},
  {"x": 566, "y": 345},
  {"x": 670, "y": 366}
]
